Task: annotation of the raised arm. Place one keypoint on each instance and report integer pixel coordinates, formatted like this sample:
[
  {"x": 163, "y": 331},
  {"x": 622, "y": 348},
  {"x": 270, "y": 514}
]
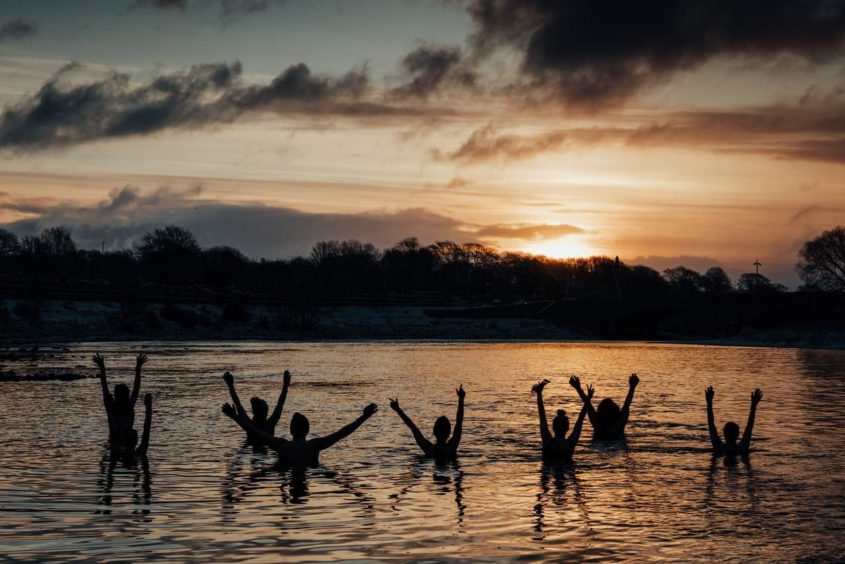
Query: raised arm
[
  {"x": 626, "y": 407},
  {"x": 322, "y": 443},
  {"x": 579, "y": 423},
  {"x": 247, "y": 425},
  {"x": 230, "y": 383},
  {"x": 711, "y": 422},
  {"x": 745, "y": 443},
  {"x": 423, "y": 443},
  {"x": 541, "y": 410},
  {"x": 136, "y": 385},
  {"x": 575, "y": 382},
  {"x": 459, "y": 419},
  {"x": 148, "y": 423},
  {"x": 280, "y": 403},
  {"x": 100, "y": 362}
]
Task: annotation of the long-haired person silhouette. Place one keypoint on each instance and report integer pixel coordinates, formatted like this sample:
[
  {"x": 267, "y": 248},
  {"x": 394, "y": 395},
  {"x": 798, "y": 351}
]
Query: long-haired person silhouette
[
  {"x": 299, "y": 451},
  {"x": 608, "y": 420},
  {"x": 260, "y": 409},
  {"x": 120, "y": 406},
  {"x": 443, "y": 448},
  {"x": 730, "y": 447},
  {"x": 558, "y": 447}
]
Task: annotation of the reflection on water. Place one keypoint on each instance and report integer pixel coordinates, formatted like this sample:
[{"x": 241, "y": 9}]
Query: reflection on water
[{"x": 204, "y": 495}]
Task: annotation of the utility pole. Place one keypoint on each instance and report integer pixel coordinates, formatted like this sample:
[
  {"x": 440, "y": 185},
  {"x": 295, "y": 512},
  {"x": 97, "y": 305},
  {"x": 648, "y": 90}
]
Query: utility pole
[
  {"x": 757, "y": 265},
  {"x": 103, "y": 260}
]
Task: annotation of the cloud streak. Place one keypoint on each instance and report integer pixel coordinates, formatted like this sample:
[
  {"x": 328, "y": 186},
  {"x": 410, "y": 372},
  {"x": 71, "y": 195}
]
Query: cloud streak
[
  {"x": 813, "y": 130},
  {"x": 61, "y": 114}
]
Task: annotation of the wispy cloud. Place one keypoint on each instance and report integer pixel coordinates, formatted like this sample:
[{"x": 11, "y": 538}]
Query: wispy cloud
[{"x": 17, "y": 29}]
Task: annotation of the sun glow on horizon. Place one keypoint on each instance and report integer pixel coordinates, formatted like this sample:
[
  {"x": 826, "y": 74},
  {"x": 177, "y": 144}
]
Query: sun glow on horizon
[{"x": 562, "y": 248}]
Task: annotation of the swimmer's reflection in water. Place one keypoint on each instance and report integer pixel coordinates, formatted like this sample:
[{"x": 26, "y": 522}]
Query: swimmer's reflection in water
[
  {"x": 299, "y": 451},
  {"x": 564, "y": 478},
  {"x": 444, "y": 448},
  {"x": 447, "y": 476}
]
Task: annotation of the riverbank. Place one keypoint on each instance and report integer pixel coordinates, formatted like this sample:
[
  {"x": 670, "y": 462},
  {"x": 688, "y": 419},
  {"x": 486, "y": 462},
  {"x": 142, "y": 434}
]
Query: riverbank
[{"x": 24, "y": 323}]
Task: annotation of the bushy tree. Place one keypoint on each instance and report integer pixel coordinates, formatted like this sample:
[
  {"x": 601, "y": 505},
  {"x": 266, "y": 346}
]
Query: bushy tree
[
  {"x": 753, "y": 283},
  {"x": 716, "y": 281},
  {"x": 822, "y": 261},
  {"x": 683, "y": 281},
  {"x": 170, "y": 253},
  {"x": 9, "y": 244}
]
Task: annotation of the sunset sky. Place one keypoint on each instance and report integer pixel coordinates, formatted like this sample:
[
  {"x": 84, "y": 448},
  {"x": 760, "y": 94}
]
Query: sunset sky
[{"x": 665, "y": 132}]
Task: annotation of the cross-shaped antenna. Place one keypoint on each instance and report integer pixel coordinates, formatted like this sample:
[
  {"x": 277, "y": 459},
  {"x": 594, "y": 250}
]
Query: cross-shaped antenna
[{"x": 757, "y": 265}]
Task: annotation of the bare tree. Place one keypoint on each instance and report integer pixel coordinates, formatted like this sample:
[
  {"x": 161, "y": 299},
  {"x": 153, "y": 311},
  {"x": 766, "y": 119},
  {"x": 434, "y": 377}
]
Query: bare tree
[{"x": 822, "y": 261}]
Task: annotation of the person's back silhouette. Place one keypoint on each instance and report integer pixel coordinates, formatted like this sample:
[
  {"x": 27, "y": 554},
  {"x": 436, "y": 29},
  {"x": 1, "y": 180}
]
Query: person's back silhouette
[
  {"x": 444, "y": 448},
  {"x": 299, "y": 451},
  {"x": 559, "y": 447},
  {"x": 608, "y": 420},
  {"x": 120, "y": 407},
  {"x": 731, "y": 430},
  {"x": 260, "y": 409},
  {"x": 127, "y": 448}
]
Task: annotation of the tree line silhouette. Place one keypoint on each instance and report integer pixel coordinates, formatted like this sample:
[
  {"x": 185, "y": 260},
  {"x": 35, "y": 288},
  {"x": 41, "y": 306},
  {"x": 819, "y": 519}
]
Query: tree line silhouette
[{"x": 171, "y": 257}]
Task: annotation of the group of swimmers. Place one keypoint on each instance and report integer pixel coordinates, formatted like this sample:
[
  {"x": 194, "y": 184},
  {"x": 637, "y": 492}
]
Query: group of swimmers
[{"x": 608, "y": 422}]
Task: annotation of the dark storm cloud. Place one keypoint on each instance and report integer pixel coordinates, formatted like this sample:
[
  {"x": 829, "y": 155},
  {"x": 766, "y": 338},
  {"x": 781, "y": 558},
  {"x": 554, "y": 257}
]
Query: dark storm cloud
[
  {"x": 592, "y": 53},
  {"x": 258, "y": 230},
  {"x": 433, "y": 67},
  {"x": 65, "y": 114},
  {"x": 17, "y": 29}
]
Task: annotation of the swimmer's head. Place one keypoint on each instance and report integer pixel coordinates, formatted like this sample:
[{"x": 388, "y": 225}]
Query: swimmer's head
[
  {"x": 607, "y": 413},
  {"x": 259, "y": 410},
  {"x": 560, "y": 424},
  {"x": 442, "y": 429},
  {"x": 731, "y": 431},
  {"x": 299, "y": 426}
]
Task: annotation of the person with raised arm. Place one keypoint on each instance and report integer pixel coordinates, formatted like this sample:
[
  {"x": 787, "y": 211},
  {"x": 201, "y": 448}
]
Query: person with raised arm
[
  {"x": 299, "y": 451},
  {"x": 559, "y": 447},
  {"x": 260, "y": 408},
  {"x": 608, "y": 420},
  {"x": 730, "y": 447},
  {"x": 444, "y": 448},
  {"x": 120, "y": 406}
]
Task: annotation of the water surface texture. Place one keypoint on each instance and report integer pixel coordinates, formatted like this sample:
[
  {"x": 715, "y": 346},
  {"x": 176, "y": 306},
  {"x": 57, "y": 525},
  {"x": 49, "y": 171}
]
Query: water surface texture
[{"x": 206, "y": 497}]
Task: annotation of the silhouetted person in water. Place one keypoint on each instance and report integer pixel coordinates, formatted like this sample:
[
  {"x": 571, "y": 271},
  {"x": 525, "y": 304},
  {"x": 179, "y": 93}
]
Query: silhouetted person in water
[
  {"x": 608, "y": 420},
  {"x": 731, "y": 430},
  {"x": 298, "y": 451},
  {"x": 444, "y": 448},
  {"x": 259, "y": 408},
  {"x": 120, "y": 407},
  {"x": 559, "y": 447},
  {"x": 127, "y": 449}
]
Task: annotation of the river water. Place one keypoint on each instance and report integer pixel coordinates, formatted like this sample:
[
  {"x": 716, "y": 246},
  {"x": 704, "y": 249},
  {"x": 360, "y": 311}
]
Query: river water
[{"x": 205, "y": 496}]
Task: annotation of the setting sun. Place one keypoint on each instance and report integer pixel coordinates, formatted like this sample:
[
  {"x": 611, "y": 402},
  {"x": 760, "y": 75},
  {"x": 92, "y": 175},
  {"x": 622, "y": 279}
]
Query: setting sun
[{"x": 563, "y": 248}]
